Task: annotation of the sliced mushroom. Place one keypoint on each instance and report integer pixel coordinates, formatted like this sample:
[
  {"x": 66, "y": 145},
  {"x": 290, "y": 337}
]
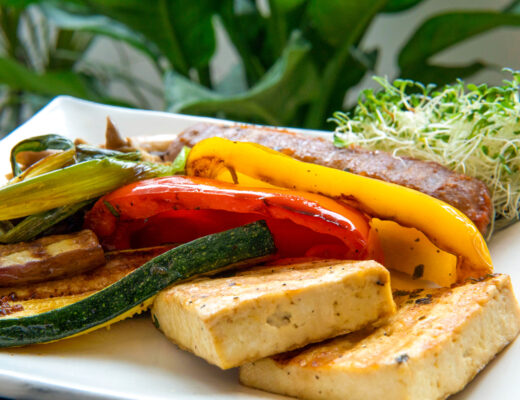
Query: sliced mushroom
[{"x": 114, "y": 140}]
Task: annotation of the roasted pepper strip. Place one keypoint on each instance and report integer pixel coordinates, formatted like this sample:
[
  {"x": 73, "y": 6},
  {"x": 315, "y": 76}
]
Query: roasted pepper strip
[
  {"x": 445, "y": 226},
  {"x": 179, "y": 209}
]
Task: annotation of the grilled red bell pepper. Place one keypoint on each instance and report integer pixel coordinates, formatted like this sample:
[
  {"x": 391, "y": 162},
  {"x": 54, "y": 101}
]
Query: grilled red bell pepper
[{"x": 178, "y": 209}]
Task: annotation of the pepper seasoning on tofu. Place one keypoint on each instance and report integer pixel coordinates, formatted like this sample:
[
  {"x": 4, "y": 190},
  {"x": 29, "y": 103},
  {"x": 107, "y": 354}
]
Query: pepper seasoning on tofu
[{"x": 271, "y": 309}]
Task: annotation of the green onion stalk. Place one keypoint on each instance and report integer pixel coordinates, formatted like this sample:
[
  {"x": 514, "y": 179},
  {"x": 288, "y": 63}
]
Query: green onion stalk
[
  {"x": 44, "y": 195},
  {"x": 73, "y": 184}
]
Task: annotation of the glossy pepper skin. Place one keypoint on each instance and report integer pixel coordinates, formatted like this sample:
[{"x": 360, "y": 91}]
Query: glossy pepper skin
[
  {"x": 448, "y": 228},
  {"x": 178, "y": 209}
]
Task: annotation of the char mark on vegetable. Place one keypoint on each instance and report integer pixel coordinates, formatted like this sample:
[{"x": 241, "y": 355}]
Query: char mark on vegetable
[{"x": 467, "y": 194}]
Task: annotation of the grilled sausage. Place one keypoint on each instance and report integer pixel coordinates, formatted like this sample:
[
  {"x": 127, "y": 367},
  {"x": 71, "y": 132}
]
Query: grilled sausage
[{"x": 465, "y": 193}]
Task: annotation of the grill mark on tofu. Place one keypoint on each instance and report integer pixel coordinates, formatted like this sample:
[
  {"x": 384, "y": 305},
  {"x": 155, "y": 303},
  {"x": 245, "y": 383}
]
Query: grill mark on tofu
[{"x": 269, "y": 309}]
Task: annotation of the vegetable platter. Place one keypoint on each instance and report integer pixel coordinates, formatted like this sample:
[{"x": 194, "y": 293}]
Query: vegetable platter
[{"x": 134, "y": 360}]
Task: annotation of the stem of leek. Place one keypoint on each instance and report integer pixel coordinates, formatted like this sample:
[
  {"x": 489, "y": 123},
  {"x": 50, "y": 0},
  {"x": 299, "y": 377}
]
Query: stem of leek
[
  {"x": 179, "y": 164},
  {"x": 47, "y": 164},
  {"x": 85, "y": 153},
  {"x": 74, "y": 184},
  {"x": 35, "y": 224},
  {"x": 38, "y": 143}
]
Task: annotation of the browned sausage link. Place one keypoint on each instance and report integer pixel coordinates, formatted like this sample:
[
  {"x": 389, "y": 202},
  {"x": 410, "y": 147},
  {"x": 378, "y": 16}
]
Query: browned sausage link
[
  {"x": 49, "y": 258},
  {"x": 467, "y": 194}
]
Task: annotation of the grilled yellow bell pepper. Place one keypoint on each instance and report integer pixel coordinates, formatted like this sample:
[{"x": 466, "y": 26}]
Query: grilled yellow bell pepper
[
  {"x": 445, "y": 226},
  {"x": 409, "y": 250}
]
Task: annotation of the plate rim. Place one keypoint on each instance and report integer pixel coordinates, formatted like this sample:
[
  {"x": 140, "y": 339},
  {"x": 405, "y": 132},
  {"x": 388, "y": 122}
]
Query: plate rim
[{"x": 78, "y": 390}]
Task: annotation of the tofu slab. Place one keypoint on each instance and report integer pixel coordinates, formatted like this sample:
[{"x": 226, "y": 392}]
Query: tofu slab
[
  {"x": 438, "y": 340},
  {"x": 268, "y": 310}
]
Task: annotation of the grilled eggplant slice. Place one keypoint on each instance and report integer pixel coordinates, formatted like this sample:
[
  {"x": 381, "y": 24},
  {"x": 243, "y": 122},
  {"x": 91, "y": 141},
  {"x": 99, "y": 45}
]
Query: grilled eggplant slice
[
  {"x": 118, "y": 265},
  {"x": 49, "y": 258}
]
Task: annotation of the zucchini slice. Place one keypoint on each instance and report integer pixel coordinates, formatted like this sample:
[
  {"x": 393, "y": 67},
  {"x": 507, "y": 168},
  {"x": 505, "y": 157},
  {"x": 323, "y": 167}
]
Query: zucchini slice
[
  {"x": 39, "y": 306},
  {"x": 135, "y": 292}
]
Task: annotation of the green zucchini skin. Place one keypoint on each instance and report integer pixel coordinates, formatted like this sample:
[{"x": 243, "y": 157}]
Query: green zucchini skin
[{"x": 201, "y": 256}]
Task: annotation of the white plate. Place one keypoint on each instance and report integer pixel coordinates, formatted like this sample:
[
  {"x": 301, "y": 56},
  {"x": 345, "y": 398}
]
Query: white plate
[{"x": 132, "y": 359}]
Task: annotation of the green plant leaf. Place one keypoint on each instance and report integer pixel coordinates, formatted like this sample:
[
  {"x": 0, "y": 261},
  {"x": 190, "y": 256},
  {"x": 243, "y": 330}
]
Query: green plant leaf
[
  {"x": 275, "y": 100},
  {"x": 260, "y": 38},
  {"x": 431, "y": 37},
  {"x": 10, "y": 17},
  {"x": 358, "y": 64},
  {"x": 337, "y": 20},
  {"x": 20, "y": 4},
  {"x": 233, "y": 82},
  {"x": 513, "y": 7},
  {"x": 246, "y": 28},
  {"x": 52, "y": 83},
  {"x": 400, "y": 5},
  {"x": 182, "y": 30},
  {"x": 344, "y": 24},
  {"x": 64, "y": 17},
  {"x": 287, "y": 5},
  {"x": 443, "y": 75},
  {"x": 284, "y": 17}
]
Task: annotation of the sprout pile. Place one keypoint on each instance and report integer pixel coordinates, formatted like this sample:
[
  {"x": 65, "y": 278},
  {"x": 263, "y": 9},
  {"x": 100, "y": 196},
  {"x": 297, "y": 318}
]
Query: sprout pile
[{"x": 470, "y": 129}]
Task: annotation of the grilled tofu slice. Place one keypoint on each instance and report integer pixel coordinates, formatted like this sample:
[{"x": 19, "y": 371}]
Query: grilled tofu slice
[
  {"x": 267, "y": 310},
  {"x": 438, "y": 340}
]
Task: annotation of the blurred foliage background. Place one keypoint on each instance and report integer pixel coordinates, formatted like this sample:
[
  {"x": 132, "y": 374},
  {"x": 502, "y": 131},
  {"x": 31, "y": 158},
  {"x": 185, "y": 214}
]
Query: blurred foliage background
[{"x": 298, "y": 59}]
